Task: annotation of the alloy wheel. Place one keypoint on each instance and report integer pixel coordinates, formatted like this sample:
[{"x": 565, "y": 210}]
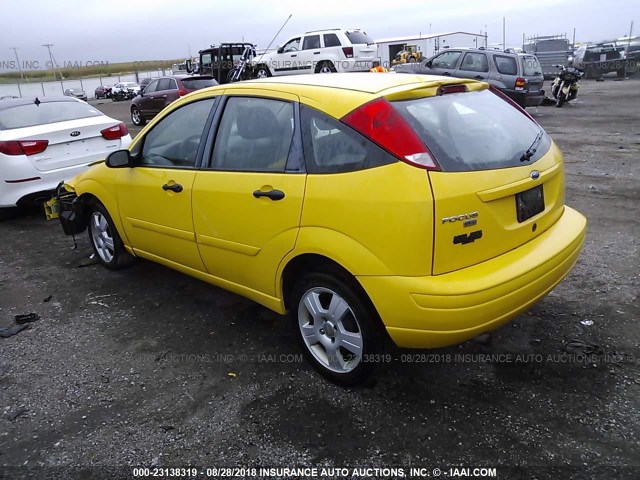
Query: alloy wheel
[
  {"x": 330, "y": 330},
  {"x": 101, "y": 236}
]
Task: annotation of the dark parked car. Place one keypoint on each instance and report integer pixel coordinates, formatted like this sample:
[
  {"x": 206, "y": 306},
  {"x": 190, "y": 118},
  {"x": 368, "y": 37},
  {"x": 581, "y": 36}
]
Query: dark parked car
[
  {"x": 144, "y": 82},
  {"x": 103, "y": 91},
  {"x": 519, "y": 76},
  {"x": 162, "y": 91},
  {"x": 77, "y": 93}
]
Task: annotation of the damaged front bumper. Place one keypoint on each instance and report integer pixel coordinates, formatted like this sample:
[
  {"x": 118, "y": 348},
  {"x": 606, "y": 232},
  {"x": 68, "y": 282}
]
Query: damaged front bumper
[{"x": 66, "y": 207}]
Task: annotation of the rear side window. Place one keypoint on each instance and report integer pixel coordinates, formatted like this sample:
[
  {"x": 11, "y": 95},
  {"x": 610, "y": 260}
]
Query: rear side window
[
  {"x": 310, "y": 42},
  {"x": 530, "y": 66},
  {"x": 474, "y": 62},
  {"x": 359, "y": 38},
  {"x": 255, "y": 135},
  {"x": 506, "y": 65},
  {"x": 198, "y": 83},
  {"x": 29, "y": 115},
  {"x": 331, "y": 40},
  {"x": 473, "y": 130},
  {"x": 333, "y": 147}
]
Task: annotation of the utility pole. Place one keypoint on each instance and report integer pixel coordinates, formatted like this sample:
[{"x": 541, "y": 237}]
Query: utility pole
[
  {"x": 15, "y": 50},
  {"x": 49, "y": 45},
  {"x": 504, "y": 33}
]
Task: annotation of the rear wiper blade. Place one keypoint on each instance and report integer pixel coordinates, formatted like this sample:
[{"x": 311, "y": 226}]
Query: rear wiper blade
[{"x": 531, "y": 151}]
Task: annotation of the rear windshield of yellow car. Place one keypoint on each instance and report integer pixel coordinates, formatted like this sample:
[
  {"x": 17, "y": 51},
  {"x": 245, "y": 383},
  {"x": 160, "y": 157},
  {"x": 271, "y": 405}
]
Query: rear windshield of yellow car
[{"x": 473, "y": 130}]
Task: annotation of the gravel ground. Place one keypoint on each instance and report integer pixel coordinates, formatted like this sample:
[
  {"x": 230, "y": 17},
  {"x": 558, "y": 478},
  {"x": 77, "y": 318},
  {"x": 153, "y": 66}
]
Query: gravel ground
[{"x": 149, "y": 367}]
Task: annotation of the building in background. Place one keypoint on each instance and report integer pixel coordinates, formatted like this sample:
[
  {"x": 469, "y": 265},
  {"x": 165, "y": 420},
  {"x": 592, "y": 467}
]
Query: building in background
[{"x": 428, "y": 44}]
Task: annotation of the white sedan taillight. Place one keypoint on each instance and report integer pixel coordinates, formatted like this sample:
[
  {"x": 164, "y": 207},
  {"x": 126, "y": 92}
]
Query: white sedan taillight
[
  {"x": 23, "y": 147},
  {"x": 115, "y": 132}
]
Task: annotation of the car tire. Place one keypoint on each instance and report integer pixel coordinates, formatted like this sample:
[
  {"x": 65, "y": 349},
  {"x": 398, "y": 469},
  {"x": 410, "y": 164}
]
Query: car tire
[
  {"x": 136, "y": 117},
  {"x": 8, "y": 213},
  {"x": 326, "y": 67},
  {"x": 337, "y": 327},
  {"x": 262, "y": 71},
  {"x": 105, "y": 240}
]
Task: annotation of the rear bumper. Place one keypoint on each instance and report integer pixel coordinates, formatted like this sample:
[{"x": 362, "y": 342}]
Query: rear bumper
[
  {"x": 31, "y": 184},
  {"x": 525, "y": 99},
  {"x": 443, "y": 310}
]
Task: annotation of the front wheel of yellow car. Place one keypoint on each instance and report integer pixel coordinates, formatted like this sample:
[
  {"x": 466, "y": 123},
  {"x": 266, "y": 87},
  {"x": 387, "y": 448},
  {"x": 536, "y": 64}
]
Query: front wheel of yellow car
[
  {"x": 338, "y": 331},
  {"x": 107, "y": 244}
]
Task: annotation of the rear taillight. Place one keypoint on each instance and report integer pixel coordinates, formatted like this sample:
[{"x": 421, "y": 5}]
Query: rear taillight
[
  {"x": 381, "y": 123},
  {"x": 348, "y": 52},
  {"x": 23, "y": 147},
  {"x": 115, "y": 132},
  {"x": 182, "y": 92},
  {"x": 520, "y": 83}
]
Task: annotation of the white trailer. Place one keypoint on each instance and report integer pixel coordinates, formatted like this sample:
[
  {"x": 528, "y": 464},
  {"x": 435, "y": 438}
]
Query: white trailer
[{"x": 428, "y": 44}]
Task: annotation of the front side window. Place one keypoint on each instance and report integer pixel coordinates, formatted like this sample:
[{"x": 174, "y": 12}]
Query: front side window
[
  {"x": 506, "y": 65},
  {"x": 174, "y": 141},
  {"x": 255, "y": 135},
  {"x": 333, "y": 147},
  {"x": 152, "y": 87},
  {"x": 312, "y": 41},
  {"x": 291, "y": 46},
  {"x": 446, "y": 60},
  {"x": 475, "y": 62}
]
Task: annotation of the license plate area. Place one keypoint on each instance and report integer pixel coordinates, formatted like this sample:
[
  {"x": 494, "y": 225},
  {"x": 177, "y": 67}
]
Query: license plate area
[{"x": 529, "y": 203}]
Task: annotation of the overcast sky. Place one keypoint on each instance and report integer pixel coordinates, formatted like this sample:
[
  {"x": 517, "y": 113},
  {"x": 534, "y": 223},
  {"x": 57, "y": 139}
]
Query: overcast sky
[{"x": 112, "y": 31}]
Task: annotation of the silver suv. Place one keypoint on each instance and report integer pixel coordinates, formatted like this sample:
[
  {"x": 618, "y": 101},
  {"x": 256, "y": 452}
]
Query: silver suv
[
  {"x": 519, "y": 76},
  {"x": 321, "y": 51}
]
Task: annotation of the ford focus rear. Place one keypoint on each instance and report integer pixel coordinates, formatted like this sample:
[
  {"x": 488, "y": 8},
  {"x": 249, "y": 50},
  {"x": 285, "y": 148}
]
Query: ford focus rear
[{"x": 421, "y": 209}]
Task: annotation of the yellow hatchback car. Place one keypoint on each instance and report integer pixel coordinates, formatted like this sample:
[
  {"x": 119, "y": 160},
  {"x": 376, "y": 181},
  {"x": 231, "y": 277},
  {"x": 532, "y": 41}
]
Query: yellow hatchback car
[{"x": 423, "y": 209}]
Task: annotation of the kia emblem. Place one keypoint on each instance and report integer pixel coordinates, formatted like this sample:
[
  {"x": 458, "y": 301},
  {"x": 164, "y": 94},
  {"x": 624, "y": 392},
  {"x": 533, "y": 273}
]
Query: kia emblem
[
  {"x": 75, "y": 133},
  {"x": 535, "y": 175}
]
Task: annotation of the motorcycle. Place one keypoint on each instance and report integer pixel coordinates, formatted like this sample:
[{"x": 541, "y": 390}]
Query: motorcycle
[
  {"x": 240, "y": 70},
  {"x": 565, "y": 86}
]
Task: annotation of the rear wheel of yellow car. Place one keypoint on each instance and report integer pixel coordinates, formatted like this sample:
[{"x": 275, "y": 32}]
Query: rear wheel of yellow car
[
  {"x": 107, "y": 244},
  {"x": 338, "y": 330}
]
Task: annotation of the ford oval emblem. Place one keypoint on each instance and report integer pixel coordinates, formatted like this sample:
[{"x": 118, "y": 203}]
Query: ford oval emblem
[
  {"x": 75, "y": 133},
  {"x": 535, "y": 175}
]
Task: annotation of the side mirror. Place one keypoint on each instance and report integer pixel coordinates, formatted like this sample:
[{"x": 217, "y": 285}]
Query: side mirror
[
  {"x": 119, "y": 159},
  {"x": 189, "y": 66},
  {"x": 280, "y": 49},
  {"x": 429, "y": 64}
]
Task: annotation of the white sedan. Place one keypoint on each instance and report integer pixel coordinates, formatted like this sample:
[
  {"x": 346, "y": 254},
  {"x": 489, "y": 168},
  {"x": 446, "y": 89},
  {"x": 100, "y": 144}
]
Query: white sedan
[
  {"x": 44, "y": 141},
  {"x": 119, "y": 87}
]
